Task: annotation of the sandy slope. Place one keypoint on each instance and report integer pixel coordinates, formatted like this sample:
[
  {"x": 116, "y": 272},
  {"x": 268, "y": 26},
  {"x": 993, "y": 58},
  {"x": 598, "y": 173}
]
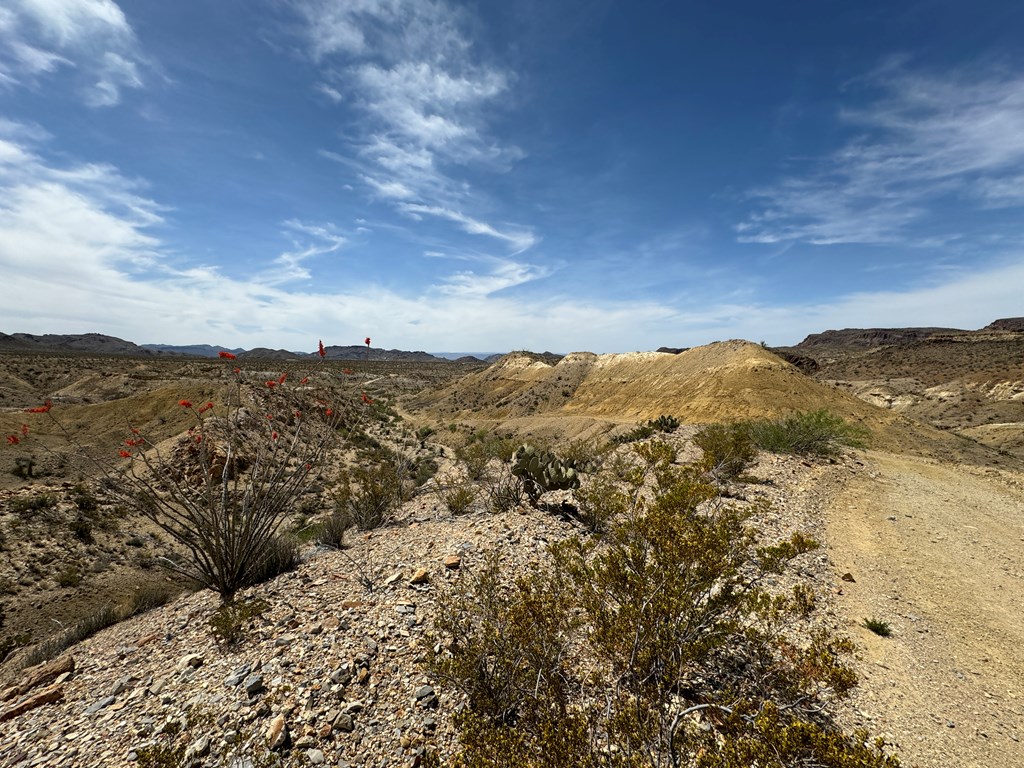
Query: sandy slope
[{"x": 937, "y": 550}]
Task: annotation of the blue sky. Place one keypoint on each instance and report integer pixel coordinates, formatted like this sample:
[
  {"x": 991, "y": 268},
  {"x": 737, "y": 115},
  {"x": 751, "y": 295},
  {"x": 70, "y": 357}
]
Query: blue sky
[{"x": 561, "y": 175}]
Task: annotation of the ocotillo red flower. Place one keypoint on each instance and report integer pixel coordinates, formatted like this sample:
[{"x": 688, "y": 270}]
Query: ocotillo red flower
[
  {"x": 13, "y": 439},
  {"x": 185, "y": 403},
  {"x": 322, "y": 351},
  {"x": 44, "y": 408},
  {"x": 366, "y": 399},
  {"x": 367, "y": 341},
  {"x": 282, "y": 377},
  {"x": 24, "y": 429},
  {"x": 226, "y": 355},
  {"x": 125, "y": 454},
  {"x": 271, "y": 384}
]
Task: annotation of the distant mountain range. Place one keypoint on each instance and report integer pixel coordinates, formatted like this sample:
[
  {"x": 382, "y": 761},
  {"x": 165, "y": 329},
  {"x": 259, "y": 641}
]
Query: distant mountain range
[{"x": 97, "y": 343}]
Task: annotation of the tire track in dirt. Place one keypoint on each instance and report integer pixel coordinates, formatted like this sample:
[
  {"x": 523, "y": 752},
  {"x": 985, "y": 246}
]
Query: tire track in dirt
[{"x": 937, "y": 551}]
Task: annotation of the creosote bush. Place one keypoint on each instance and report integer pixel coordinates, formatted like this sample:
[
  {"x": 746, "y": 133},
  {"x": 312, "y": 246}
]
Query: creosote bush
[
  {"x": 815, "y": 433},
  {"x": 728, "y": 449},
  {"x": 658, "y": 644}
]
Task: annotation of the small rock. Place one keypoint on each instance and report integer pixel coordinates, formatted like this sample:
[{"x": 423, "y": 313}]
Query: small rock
[
  {"x": 452, "y": 562},
  {"x": 345, "y": 722},
  {"x": 236, "y": 677},
  {"x": 277, "y": 733},
  {"x": 423, "y": 692},
  {"x": 102, "y": 703},
  {"x": 199, "y": 748},
  {"x": 848, "y": 577},
  {"x": 315, "y": 756},
  {"x": 422, "y": 576},
  {"x": 254, "y": 685}
]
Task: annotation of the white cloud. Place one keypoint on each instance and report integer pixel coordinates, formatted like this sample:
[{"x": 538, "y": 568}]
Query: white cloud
[
  {"x": 308, "y": 241},
  {"x": 90, "y": 38},
  {"x": 410, "y": 69},
  {"x": 520, "y": 239},
  {"x": 926, "y": 139}
]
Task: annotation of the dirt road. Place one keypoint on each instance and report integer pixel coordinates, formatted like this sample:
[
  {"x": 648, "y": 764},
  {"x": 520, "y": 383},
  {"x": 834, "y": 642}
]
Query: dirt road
[{"x": 937, "y": 550}]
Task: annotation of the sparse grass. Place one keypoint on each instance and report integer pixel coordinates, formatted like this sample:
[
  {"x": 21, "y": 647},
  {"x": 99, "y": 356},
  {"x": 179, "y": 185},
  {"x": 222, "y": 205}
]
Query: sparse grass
[
  {"x": 69, "y": 577},
  {"x": 26, "y": 506},
  {"x": 332, "y": 531},
  {"x": 878, "y": 626},
  {"x": 84, "y": 629}
]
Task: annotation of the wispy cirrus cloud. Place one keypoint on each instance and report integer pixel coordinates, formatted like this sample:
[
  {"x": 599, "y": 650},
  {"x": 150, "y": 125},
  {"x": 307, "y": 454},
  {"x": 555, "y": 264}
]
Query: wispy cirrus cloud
[
  {"x": 408, "y": 69},
  {"x": 308, "y": 241},
  {"x": 925, "y": 139},
  {"x": 91, "y": 39}
]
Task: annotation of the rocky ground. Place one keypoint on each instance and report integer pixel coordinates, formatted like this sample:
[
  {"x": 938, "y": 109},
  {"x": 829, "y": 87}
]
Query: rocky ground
[{"x": 338, "y": 657}]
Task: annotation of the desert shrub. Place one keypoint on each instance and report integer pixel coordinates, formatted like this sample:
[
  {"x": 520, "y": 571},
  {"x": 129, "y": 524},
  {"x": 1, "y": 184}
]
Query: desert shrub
[
  {"x": 332, "y": 531},
  {"x": 815, "y": 433},
  {"x": 878, "y": 626},
  {"x": 81, "y": 529},
  {"x": 28, "y": 506},
  {"x": 600, "y": 501},
  {"x": 232, "y": 619},
  {"x": 641, "y": 432},
  {"x": 459, "y": 498},
  {"x": 728, "y": 449},
  {"x": 506, "y": 493},
  {"x": 69, "y": 577},
  {"x": 369, "y": 496},
  {"x": 478, "y": 450},
  {"x": 84, "y": 498},
  {"x": 658, "y": 644}
]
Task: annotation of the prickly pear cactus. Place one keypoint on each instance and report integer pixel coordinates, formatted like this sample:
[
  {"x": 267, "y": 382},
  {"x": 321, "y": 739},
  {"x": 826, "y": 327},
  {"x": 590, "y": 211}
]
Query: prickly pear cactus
[{"x": 542, "y": 471}]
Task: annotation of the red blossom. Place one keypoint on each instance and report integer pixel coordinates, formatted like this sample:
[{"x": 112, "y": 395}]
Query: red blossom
[
  {"x": 273, "y": 435},
  {"x": 367, "y": 341},
  {"x": 322, "y": 351},
  {"x": 298, "y": 414},
  {"x": 366, "y": 399},
  {"x": 185, "y": 403},
  {"x": 199, "y": 438},
  {"x": 347, "y": 371},
  {"x": 226, "y": 355},
  {"x": 329, "y": 412},
  {"x": 135, "y": 430},
  {"x": 205, "y": 408},
  {"x": 271, "y": 384},
  {"x": 24, "y": 429},
  {"x": 44, "y": 408},
  {"x": 282, "y": 377},
  {"x": 13, "y": 439},
  {"x": 305, "y": 380},
  {"x": 236, "y": 371},
  {"x": 125, "y": 454}
]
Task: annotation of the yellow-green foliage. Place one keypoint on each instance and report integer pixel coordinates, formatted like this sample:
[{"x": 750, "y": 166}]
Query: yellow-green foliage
[{"x": 657, "y": 644}]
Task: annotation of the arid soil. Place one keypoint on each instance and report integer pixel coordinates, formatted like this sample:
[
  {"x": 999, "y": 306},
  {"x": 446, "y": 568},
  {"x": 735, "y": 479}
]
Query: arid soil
[{"x": 937, "y": 551}]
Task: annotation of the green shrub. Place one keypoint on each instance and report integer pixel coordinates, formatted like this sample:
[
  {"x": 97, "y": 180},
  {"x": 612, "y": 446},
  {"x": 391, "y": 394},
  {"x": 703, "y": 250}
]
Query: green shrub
[
  {"x": 815, "y": 433},
  {"x": 459, "y": 498},
  {"x": 370, "y": 495},
  {"x": 728, "y": 449},
  {"x": 81, "y": 529},
  {"x": 641, "y": 432},
  {"x": 232, "y": 619},
  {"x": 879, "y": 627},
  {"x": 599, "y": 502},
  {"x": 605, "y": 656},
  {"x": 506, "y": 493}
]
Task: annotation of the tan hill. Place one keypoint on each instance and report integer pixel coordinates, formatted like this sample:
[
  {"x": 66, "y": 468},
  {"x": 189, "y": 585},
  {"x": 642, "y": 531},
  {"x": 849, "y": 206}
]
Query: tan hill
[{"x": 724, "y": 381}]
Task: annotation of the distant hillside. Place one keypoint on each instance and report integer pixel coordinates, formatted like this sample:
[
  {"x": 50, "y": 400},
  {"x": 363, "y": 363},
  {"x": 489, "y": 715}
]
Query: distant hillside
[
  {"x": 97, "y": 343},
  {"x": 725, "y": 381},
  {"x": 85, "y": 343},
  {"x": 191, "y": 350},
  {"x": 1007, "y": 324}
]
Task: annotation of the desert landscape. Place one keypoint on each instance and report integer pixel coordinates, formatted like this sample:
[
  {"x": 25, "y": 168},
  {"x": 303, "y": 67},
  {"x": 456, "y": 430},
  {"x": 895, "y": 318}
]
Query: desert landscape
[{"x": 349, "y": 655}]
